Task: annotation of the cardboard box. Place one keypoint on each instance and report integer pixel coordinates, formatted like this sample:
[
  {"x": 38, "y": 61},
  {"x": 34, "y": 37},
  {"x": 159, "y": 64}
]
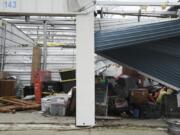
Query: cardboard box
[
  {"x": 7, "y": 88},
  {"x": 139, "y": 96},
  {"x": 4, "y": 75}
]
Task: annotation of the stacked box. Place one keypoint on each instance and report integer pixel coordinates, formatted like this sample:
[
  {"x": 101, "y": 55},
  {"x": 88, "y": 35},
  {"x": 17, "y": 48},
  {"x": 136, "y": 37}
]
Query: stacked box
[{"x": 7, "y": 88}]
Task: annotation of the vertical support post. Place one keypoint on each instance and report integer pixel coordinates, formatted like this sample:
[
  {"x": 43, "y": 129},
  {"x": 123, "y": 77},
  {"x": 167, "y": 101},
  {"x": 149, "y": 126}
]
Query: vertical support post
[
  {"x": 3, "y": 49},
  {"x": 139, "y": 15},
  {"x": 45, "y": 45},
  {"x": 85, "y": 96}
]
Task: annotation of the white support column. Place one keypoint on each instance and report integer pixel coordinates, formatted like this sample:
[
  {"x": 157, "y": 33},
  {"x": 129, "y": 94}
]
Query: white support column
[{"x": 85, "y": 97}]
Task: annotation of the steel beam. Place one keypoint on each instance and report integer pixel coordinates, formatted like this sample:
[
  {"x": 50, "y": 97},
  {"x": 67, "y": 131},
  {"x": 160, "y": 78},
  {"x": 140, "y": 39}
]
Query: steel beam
[
  {"x": 136, "y": 3},
  {"x": 136, "y": 13},
  {"x": 40, "y": 8},
  {"x": 45, "y": 46},
  {"x": 85, "y": 97},
  {"x": 3, "y": 49}
]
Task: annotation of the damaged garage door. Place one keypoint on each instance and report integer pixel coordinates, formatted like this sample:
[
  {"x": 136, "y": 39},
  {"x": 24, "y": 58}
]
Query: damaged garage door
[{"x": 153, "y": 49}]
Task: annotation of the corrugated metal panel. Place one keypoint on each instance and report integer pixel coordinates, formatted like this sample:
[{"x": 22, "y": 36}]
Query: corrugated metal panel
[
  {"x": 18, "y": 56},
  {"x": 111, "y": 24},
  {"x": 158, "y": 57},
  {"x": 19, "y": 59},
  {"x": 135, "y": 35}
]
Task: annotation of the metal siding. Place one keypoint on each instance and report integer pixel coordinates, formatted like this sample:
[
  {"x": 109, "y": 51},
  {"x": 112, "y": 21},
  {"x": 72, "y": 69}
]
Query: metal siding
[
  {"x": 18, "y": 56},
  {"x": 18, "y": 61},
  {"x": 135, "y": 35},
  {"x": 157, "y": 58}
]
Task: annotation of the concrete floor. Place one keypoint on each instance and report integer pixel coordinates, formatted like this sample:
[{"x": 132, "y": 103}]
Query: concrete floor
[
  {"x": 87, "y": 132},
  {"x": 28, "y": 123}
]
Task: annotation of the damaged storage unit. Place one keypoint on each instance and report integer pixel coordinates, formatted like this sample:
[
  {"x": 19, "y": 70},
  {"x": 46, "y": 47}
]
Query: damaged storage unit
[
  {"x": 152, "y": 49},
  {"x": 147, "y": 51}
]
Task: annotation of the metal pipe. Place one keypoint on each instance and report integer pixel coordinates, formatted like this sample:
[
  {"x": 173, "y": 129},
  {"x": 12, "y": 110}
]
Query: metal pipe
[
  {"x": 45, "y": 46},
  {"x": 68, "y": 14},
  {"x": 147, "y": 14},
  {"x": 3, "y": 46},
  {"x": 140, "y": 3}
]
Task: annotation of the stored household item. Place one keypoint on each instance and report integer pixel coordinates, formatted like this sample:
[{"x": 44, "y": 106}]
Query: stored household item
[
  {"x": 164, "y": 91},
  {"x": 101, "y": 99},
  {"x": 50, "y": 86},
  {"x": 7, "y": 88},
  {"x": 136, "y": 113},
  {"x": 117, "y": 106},
  {"x": 57, "y": 109},
  {"x": 68, "y": 85},
  {"x": 29, "y": 97},
  {"x": 124, "y": 84},
  {"x": 139, "y": 96},
  {"x": 55, "y": 105},
  {"x": 151, "y": 111},
  {"x": 28, "y": 90},
  {"x": 45, "y": 104},
  {"x": 19, "y": 89},
  {"x": 69, "y": 74},
  {"x": 71, "y": 106},
  {"x": 171, "y": 107},
  {"x": 4, "y": 75},
  {"x": 58, "y": 105}
]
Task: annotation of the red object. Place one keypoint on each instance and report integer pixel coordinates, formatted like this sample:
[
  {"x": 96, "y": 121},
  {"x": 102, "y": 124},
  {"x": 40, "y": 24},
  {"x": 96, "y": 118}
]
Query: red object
[
  {"x": 43, "y": 76},
  {"x": 38, "y": 78},
  {"x": 38, "y": 91}
]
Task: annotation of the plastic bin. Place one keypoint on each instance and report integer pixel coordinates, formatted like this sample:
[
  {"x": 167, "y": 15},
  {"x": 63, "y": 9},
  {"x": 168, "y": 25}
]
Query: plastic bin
[
  {"x": 45, "y": 104},
  {"x": 58, "y": 109}
]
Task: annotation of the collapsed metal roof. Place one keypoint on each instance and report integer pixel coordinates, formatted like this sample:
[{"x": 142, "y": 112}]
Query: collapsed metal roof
[{"x": 153, "y": 49}]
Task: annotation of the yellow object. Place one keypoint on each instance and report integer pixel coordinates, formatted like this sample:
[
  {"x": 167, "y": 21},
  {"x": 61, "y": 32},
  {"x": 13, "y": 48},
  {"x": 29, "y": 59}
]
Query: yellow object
[
  {"x": 163, "y": 92},
  {"x": 144, "y": 8},
  {"x": 69, "y": 80},
  {"x": 65, "y": 70},
  {"x": 164, "y": 5},
  {"x": 52, "y": 44}
]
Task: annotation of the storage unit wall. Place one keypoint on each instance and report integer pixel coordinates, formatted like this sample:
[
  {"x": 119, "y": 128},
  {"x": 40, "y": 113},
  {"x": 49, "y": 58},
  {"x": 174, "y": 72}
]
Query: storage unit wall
[
  {"x": 19, "y": 59},
  {"x": 18, "y": 55}
]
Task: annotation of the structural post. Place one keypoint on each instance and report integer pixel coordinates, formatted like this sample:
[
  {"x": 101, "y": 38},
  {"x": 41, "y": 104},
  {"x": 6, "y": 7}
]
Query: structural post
[
  {"x": 85, "y": 97},
  {"x": 45, "y": 45},
  {"x": 3, "y": 49}
]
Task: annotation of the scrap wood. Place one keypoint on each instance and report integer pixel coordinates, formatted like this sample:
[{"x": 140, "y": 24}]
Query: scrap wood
[
  {"x": 9, "y": 101},
  {"x": 22, "y": 101},
  {"x": 16, "y": 104},
  {"x": 9, "y": 108},
  {"x": 13, "y": 108}
]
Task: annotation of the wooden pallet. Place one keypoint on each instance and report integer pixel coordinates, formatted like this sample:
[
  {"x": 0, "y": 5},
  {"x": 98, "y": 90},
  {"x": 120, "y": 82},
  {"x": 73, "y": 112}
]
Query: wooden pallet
[{"x": 11, "y": 104}]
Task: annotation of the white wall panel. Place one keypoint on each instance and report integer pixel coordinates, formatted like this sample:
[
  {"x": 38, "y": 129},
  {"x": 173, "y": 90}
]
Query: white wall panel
[
  {"x": 18, "y": 58},
  {"x": 34, "y": 6},
  {"x": 18, "y": 61}
]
